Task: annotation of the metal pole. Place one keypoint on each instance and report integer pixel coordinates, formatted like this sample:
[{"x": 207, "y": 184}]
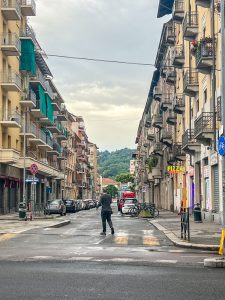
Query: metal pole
[
  {"x": 214, "y": 73},
  {"x": 24, "y": 156},
  {"x": 222, "y": 102}
]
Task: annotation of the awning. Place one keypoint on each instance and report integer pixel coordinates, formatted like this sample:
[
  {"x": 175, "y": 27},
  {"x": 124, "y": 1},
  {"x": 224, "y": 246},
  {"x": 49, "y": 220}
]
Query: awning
[{"x": 165, "y": 8}]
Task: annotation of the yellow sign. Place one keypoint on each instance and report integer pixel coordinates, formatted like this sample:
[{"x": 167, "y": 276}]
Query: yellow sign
[
  {"x": 222, "y": 242},
  {"x": 175, "y": 169}
]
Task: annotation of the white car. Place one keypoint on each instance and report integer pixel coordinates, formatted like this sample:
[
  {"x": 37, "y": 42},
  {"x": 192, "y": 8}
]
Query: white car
[{"x": 128, "y": 204}]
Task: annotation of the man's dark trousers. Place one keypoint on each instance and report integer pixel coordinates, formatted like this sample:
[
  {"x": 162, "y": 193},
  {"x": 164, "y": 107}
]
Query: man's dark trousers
[{"x": 106, "y": 215}]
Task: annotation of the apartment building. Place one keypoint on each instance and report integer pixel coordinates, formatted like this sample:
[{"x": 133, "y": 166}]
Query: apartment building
[
  {"x": 35, "y": 125},
  {"x": 178, "y": 134},
  {"x": 93, "y": 162}
]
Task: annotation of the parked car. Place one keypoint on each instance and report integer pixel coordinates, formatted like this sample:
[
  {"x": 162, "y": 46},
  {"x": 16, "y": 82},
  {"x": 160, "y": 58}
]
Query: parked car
[
  {"x": 128, "y": 204},
  {"x": 79, "y": 204},
  {"x": 71, "y": 205},
  {"x": 91, "y": 204},
  {"x": 87, "y": 205},
  {"x": 56, "y": 206}
]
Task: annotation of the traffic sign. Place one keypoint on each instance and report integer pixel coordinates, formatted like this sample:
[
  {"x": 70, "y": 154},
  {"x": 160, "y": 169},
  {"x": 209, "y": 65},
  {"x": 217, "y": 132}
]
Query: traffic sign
[
  {"x": 34, "y": 169},
  {"x": 221, "y": 145}
]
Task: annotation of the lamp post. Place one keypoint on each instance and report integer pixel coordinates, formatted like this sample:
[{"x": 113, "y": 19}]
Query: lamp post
[
  {"x": 64, "y": 177},
  {"x": 24, "y": 156}
]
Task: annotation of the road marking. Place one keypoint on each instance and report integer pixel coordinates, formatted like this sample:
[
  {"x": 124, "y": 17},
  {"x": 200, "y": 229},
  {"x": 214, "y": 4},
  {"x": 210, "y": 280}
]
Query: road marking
[
  {"x": 7, "y": 236},
  {"x": 121, "y": 240},
  {"x": 150, "y": 241},
  {"x": 169, "y": 261}
]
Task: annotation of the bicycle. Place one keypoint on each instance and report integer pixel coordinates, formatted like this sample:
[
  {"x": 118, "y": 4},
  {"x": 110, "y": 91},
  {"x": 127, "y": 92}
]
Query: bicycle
[{"x": 134, "y": 211}]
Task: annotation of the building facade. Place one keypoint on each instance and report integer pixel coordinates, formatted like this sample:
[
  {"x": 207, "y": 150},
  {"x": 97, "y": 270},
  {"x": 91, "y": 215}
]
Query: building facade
[
  {"x": 35, "y": 125},
  {"x": 177, "y": 142}
]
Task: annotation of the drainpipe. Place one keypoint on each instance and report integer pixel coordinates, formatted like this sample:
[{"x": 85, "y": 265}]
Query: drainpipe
[{"x": 213, "y": 72}]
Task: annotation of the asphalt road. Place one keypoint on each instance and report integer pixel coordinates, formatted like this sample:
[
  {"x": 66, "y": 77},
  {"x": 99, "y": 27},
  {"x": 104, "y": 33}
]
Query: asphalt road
[
  {"x": 92, "y": 280},
  {"x": 135, "y": 241}
]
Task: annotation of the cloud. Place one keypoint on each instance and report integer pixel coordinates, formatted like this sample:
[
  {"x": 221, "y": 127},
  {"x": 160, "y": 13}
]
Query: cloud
[{"x": 115, "y": 30}]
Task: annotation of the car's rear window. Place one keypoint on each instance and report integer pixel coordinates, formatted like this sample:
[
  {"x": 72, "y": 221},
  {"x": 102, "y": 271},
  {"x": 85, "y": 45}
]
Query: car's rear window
[
  {"x": 129, "y": 201},
  {"x": 55, "y": 202},
  {"x": 69, "y": 202}
]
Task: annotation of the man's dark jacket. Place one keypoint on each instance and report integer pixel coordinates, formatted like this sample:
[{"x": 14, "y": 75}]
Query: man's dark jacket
[{"x": 105, "y": 202}]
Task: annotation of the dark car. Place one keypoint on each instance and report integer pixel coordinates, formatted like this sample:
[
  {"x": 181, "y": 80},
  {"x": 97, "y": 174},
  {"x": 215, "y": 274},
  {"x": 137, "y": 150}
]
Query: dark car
[
  {"x": 56, "y": 207},
  {"x": 71, "y": 205},
  {"x": 91, "y": 204}
]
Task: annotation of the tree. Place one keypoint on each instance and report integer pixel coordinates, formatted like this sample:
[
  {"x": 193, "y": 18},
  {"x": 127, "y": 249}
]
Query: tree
[
  {"x": 124, "y": 178},
  {"x": 112, "y": 190}
]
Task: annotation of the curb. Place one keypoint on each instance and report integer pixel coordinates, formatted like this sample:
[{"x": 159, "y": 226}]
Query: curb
[
  {"x": 214, "y": 262},
  {"x": 61, "y": 224},
  {"x": 177, "y": 242}
]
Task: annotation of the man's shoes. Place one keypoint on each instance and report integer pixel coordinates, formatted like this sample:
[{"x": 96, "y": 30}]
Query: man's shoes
[
  {"x": 103, "y": 233},
  {"x": 112, "y": 231}
]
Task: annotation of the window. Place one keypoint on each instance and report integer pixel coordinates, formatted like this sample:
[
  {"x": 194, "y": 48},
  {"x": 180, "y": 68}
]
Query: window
[
  {"x": 197, "y": 105},
  {"x": 205, "y": 95}
]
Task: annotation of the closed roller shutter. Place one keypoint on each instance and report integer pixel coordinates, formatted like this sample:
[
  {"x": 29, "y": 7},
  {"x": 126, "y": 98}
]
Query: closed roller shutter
[{"x": 216, "y": 193}]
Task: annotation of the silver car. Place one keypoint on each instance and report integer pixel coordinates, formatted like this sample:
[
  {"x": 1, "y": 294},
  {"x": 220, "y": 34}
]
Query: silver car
[{"x": 56, "y": 206}]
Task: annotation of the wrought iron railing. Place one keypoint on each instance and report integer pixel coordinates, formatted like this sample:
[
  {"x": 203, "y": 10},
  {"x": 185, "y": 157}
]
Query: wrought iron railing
[
  {"x": 190, "y": 78},
  {"x": 178, "y": 6},
  {"x": 205, "y": 49},
  {"x": 178, "y": 102},
  {"x": 204, "y": 123},
  {"x": 188, "y": 137},
  {"x": 177, "y": 52},
  {"x": 11, "y": 39},
  {"x": 166, "y": 134},
  {"x": 190, "y": 20}
]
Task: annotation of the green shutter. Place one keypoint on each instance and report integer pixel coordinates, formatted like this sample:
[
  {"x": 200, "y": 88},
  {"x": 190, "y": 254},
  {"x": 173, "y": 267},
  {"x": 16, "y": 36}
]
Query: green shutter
[
  {"x": 49, "y": 108},
  {"x": 43, "y": 106},
  {"x": 27, "y": 58}
]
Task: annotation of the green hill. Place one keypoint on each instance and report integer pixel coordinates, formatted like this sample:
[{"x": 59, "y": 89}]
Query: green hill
[{"x": 114, "y": 163}]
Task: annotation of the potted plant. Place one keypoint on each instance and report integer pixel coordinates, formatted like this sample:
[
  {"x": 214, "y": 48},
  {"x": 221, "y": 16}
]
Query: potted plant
[
  {"x": 152, "y": 162},
  {"x": 194, "y": 46}
]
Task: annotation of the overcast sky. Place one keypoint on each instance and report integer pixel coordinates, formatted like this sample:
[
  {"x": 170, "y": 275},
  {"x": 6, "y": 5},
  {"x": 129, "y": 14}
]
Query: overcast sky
[{"x": 110, "y": 97}]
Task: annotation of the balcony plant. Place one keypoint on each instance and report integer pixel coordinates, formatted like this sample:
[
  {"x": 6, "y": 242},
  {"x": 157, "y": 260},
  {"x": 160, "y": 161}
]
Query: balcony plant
[
  {"x": 152, "y": 162},
  {"x": 194, "y": 46}
]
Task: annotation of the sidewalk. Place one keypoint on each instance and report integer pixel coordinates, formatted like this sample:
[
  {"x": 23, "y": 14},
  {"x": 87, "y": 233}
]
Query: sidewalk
[
  {"x": 10, "y": 223},
  {"x": 205, "y": 236}
]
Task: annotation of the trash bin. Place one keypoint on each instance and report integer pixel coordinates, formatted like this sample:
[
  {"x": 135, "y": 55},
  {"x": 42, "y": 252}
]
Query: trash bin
[
  {"x": 22, "y": 211},
  {"x": 197, "y": 214}
]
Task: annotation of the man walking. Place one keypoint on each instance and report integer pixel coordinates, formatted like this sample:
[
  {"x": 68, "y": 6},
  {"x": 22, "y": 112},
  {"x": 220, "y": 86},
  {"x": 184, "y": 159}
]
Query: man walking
[{"x": 105, "y": 202}]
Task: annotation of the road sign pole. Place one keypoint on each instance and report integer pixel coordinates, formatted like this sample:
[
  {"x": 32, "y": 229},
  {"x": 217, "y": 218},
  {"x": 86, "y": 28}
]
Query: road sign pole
[{"x": 223, "y": 112}]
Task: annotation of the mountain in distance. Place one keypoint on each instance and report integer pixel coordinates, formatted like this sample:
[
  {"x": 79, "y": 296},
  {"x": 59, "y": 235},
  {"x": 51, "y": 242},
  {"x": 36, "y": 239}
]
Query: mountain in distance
[{"x": 111, "y": 164}]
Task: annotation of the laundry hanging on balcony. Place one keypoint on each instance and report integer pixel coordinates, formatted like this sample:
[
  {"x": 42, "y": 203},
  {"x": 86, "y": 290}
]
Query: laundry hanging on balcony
[
  {"x": 27, "y": 58},
  {"x": 49, "y": 108},
  {"x": 43, "y": 106},
  {"x": 165, "y": 8}
]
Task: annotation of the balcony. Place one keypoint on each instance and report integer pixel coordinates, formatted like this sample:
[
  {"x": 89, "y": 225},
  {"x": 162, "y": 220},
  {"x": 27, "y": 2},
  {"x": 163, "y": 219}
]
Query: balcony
[
  {"x": 47, "y": 141},
  {"x": 62, "y": 115},
  {"x": 190, "y": 26},
  {"x": 166, "y": 103},
  {"x": 63, "y": 135},
  {"x": 10, "y": 82},
  {"x": 170, "y": 35},
  {"x": 178, "y": 11},
  {"x": 11, "y": 10},
  {"x": 178, "y": 103},
  {"x": 49, "y": 90},
  {"x": 170, "y": 76},
  {"x": 157, "y": 173},
  {"x": 171, "y": 118},
  {"x": 28, "y": 8},
  {"x": 31, "y": 130},
  {"x": 10, "y": 45},
  {"x": 158, "y": 149},
  {"x": 36, "y": 111},
  {"x": 204, "y": 127},
  {"x": 157, "y": 93},
  {"x": 203, "y": 3},
  {"x": 204, "y": 57},
  {"x": 54, "y": 127},
  {"x": 11, "y": 120},
  {"x": 29, "y": 100},
  {"x": 177, "y": 153},
  {"x": 177, "y": 58},
  {"x": 157, "y": 121},
  {"x": 166, "y": 137},
  {"x": 191, "y": 83},
  {"x": 39, "y": 78},
  {"x": 9, "y": 156},
  {"x": 189, "y": 143},
  {"x": 56, "y": 149}
]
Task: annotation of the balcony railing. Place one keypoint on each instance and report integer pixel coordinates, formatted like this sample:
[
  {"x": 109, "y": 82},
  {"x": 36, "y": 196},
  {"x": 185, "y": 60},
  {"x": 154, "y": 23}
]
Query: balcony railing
[
  {"x": 204, "y": 56},
  {"x": 11, "y": 44},
  {"x": 203, "y": 3},
  {"x": 166, "y": 102},
  {"x": 178, "y": 11},
  {"x": 177, "y": 57},
  {"x": 189, "y": 142},
  {"x": 157, "y": 93},
  {"x": 170, "y": 76},
  {"x": 11, "y": 9},
  {"x": 204, "y": 124},
  {"x": 28, "y": 7},
  {"x": 170, "y": 35},
  {"x": 190, "y": 25},
  {"x": 12, "y": 117},
  {"x": 28, "y": 32},
  {"x": 49, "y": 90},
  {"x": 39, "y": 77},
  {"x": 10, "y": 81},
  {"x": 191, "y": 82},
  {"x": 178, "y": 103},
  {"x": 157, "y": 121},
  {"x": 158, "y": 148},
  {"x": 166, "y": 137}
]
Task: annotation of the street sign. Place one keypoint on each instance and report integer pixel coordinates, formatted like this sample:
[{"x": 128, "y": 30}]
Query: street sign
[
  {"x": 34, "y": 169},
  {"x": 32, "y": 179},
  {"x": 221, "y": 145}
]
